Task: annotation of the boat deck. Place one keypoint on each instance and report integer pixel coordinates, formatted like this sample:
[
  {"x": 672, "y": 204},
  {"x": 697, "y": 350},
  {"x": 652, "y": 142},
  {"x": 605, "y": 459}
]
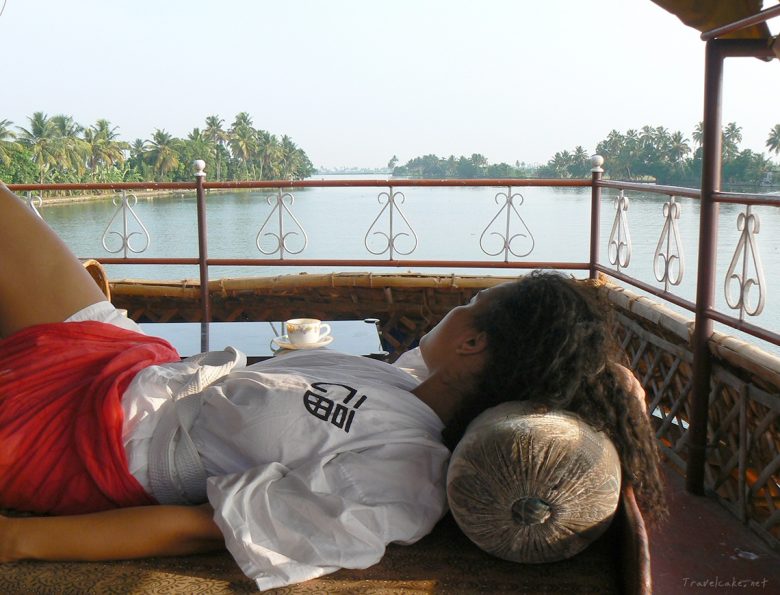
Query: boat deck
[{"x": 704, "y": 549}]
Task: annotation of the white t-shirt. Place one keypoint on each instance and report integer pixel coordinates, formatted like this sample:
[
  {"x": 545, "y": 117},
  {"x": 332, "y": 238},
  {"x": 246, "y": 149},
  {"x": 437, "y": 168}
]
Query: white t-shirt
[{"x": 316, "y": 459}]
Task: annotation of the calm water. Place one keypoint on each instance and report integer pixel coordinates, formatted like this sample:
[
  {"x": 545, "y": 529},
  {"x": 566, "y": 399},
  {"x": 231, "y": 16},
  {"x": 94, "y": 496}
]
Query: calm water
[{"x": 447, "y": 221}]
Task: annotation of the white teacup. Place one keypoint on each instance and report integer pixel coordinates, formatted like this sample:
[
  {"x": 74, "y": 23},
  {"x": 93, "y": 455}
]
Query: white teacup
[{"x": 305, "y": 331}]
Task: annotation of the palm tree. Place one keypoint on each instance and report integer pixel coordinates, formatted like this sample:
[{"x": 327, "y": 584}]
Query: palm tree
[
  {"x": 242, "y": 120},
  {"x": 698, "y": 134},
  {"x": 573, "y": 165},
  {"x": 66, "y": 126},
  {"x": 290, "y": 158},
  {"x": 561, "y": 164},
  {"x": 270, "y": 155},
  {"x": 7, "y": 142},
  {"x": 105, "y": 130},
  {"x": 243, "y": 141},
  {"x": 759, "y": 168},
  {"x": 772, "y": 142},
  {"x": 74, "y": 151},
  {"x": 42, "y": 140},
  {"x": 103, "y": 147},
  {"x": 217, "y": 136},
  {"x": 198, "y": 146},
  {"x": 678, "y": 147},
  {"x": 163, "y": 152},
  {"x": 138, "y": 150},
  {"x": 732, "y": 136},
  {"x": 647, "y": 136}
]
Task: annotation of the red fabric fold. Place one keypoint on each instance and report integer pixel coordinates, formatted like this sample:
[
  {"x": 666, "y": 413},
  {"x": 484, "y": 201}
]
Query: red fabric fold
[{"x": 61, "y": 418}]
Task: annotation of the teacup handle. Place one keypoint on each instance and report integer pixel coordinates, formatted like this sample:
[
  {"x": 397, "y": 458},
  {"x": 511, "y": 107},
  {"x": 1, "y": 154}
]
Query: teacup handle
[{"x": 324, "y": 330}]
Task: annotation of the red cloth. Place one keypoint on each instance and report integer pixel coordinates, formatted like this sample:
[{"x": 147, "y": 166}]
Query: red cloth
[{"x": 61, "y": 386}]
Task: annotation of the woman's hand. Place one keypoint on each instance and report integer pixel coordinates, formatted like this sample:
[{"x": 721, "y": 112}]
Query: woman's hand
[
  {"x": 8, "y": 550},
  {"x": 111, "y": 535}
]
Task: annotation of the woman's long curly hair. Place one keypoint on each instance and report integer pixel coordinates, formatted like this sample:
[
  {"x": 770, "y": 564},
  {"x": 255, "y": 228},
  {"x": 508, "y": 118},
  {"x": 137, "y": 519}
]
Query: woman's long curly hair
[{"x": 551, "y": 340}]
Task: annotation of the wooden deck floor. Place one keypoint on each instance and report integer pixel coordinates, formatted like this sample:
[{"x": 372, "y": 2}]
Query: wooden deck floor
[{"x": 704, "y": 549}]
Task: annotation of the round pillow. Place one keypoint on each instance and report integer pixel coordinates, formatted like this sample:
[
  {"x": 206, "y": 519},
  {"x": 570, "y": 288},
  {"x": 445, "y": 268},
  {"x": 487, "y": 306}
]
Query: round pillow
[{"x": 530, "y": 485}]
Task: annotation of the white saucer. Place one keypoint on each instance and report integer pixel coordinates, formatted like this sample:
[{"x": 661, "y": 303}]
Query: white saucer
[{"x": 284, "y": 343}]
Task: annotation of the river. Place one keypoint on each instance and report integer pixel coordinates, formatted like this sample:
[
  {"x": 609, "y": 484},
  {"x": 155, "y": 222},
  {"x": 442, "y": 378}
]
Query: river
[{"x": 448, "y": 223}]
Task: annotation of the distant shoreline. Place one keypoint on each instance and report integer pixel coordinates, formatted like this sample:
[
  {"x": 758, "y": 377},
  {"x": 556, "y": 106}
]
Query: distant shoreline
[
  {"x": 149, "y": 194},
  {"x": 87, "y": 197}
]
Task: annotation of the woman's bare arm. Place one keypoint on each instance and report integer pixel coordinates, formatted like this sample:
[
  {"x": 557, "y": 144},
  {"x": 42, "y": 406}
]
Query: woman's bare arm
[
  {"x": 124, "y": 533},
  {"x": 629, "y": 383}
]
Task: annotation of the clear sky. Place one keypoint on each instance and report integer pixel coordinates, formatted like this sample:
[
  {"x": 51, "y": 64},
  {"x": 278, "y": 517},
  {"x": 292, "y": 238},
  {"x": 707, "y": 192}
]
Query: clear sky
[{"x": 354, "y": 82}]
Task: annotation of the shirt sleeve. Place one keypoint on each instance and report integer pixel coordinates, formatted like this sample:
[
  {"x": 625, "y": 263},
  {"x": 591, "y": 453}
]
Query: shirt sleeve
[{"x": 285, "y": 526}]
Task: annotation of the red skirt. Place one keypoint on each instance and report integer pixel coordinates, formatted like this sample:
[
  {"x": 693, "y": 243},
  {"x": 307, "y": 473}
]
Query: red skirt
[{"x": 61, "y": 418}]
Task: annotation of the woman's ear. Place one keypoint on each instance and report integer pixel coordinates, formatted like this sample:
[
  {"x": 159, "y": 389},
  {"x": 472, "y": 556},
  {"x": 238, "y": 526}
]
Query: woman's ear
[{"x": 475, "y": 342}]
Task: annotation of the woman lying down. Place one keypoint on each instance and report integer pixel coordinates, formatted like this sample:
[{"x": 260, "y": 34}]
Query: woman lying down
[{"x": 300, "y": 465}]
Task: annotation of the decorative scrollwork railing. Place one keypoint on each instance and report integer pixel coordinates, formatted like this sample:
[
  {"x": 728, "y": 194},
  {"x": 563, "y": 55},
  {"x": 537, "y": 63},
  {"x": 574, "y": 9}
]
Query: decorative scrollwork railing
[
  {"x": 669, "y": 260},
  {"x": 619, "y": 246},
  {"x": 751, "y": 274},
  {"x": 282, "y": 204},
  {"x": 34, "y": 201},
  {"x": 390, "y": 201},
  {"x": 506, "y": 235},
  {"x": 127, "y": 215}
]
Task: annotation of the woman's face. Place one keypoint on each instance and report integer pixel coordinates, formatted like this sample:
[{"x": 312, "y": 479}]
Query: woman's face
[{"x": 439, "y": 345}]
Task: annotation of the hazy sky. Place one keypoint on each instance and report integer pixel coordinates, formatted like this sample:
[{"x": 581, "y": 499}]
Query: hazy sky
[{"x": 354, "y": 82}]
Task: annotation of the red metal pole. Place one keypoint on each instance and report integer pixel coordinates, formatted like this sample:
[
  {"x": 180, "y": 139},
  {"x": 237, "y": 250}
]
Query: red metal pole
[
  {"x": 705, "y": 282},
  {"x": 595, "y": 212},
  {"x": 200, "y": 175}
]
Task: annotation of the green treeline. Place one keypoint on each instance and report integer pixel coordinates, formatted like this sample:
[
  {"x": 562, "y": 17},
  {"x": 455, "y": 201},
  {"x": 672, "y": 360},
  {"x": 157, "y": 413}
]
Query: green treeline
[
  {"x": 650, "y": 153},
  {"x": 59, "y": 150},
  {"x": 476, "y": 166}
]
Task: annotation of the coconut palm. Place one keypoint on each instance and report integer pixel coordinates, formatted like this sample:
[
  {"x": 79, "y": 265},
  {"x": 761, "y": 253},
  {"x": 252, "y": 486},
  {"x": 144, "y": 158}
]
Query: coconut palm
[
  {"x": 138, "y": 150},
  {"x": 772, "y": 141},
  {"x": 698, "y": 134},
  {"x": 578, "y": 165},
  {"x": 217, "y": 136},
  {"x": 42, "y": 140},
  {"x": 561, "y": 164},
  {"x": 103, "y": 148},
  {"x": 106, "y": 131},
  {"x": 163, "y": 153},
  {"x": 270, "y": 154},
  {"x": 647, "y": 136},
  {"x": 732, "y": 136},
  {"x": 74, "y": 151},
  {"x": 8, "y": 143},
  {"x": 66, "y": 127},
  {"x": 759, "y": 169},
  {"x": 243, "y": 141},
  {"x": 678, "y": 147},
  {"x": 289, "y": 158},
  {"x": 242, "y": 120},
  {"x": 196, "y": 136},
  {"x": 198, "y": 146}
]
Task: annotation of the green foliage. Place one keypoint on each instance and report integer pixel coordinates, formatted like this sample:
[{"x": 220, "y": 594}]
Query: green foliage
[
  {"x": 650, "y": 153},
  {"x": 670, "y": 158},
  {"x": 476, "y": 166},
  {"x": 18, "y": 168},
  {"x": 58, "y": 149}
]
